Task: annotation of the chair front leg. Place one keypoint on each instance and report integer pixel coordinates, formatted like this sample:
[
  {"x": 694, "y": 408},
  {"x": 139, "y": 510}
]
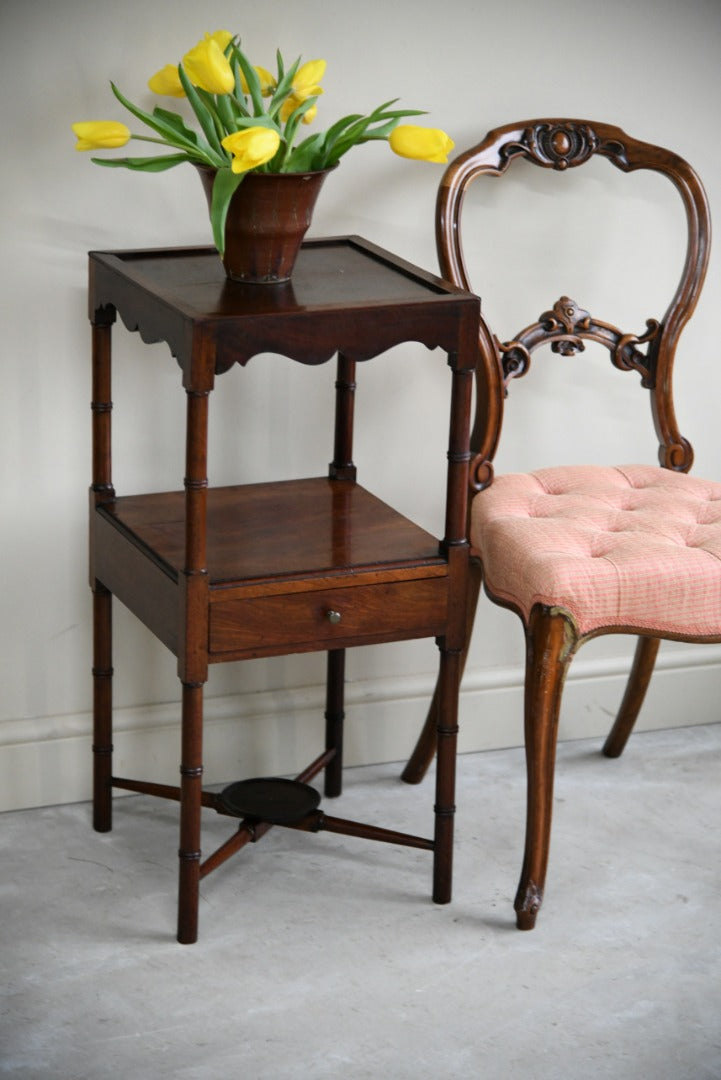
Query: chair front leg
[
  {"x": 550, "y": 643},
  {"x": 636, "y": 687}
]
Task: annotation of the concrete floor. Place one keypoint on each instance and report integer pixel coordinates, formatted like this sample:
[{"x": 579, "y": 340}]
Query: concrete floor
[{"x": 323, "y": 956}]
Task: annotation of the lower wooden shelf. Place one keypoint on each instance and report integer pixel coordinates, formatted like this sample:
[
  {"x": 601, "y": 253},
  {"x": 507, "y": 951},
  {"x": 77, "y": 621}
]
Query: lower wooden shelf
[{"x": 293, "y": 566}]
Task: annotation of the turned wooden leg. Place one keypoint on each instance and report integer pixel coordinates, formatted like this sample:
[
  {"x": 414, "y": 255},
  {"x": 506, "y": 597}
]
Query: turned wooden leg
[
  {"x": 102, "y": 708},
  {"x": 191, "y": 777},
  {"x": 425, "y": 749},
  {"x": 636, "y": 687},
  {"x": 550, "y": 642},
  {"x": 445, "y": 806},
  {"x": 100, "y": 491},
  {"x": 334, "y": 717}
]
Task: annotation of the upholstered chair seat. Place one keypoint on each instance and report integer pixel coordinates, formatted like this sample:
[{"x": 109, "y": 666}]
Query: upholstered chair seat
[{"x": 632, "y": 546}]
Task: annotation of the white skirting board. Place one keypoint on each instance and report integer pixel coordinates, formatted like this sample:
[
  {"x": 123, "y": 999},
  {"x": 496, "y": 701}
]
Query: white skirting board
[{"x": 47, "y": 761}]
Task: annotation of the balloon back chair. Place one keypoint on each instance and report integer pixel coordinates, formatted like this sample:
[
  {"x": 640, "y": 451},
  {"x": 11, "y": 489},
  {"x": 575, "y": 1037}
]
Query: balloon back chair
[{"x": 579, "y": 551}]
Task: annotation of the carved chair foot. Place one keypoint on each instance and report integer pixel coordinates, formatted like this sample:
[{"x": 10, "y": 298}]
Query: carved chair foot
[{"x": 527, "y": 905}]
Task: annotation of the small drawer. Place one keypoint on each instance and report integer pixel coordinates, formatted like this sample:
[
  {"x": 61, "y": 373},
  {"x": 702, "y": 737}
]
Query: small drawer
[{"x": 328, "y": 618}]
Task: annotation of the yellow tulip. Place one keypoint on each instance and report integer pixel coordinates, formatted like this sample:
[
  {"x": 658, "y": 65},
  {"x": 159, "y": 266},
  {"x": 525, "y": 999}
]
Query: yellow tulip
[
  {"x": 306, "y": 79},
  {"x": 100, "y": 134},
  {"x": 289, "y": 106},
  {"x": 305, "y": 85},
  {"x": 207, "y": 67},
  {"x": 267, "y": 82},
  {"x": 251, "y": 147},
  {"x": 421, "y": 144},
  {"x": 221, "y": 37},
  {"x": 167, "y": 82}
]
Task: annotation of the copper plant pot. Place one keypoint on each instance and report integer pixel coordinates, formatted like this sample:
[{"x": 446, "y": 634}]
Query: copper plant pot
[{"x": 267, "y": 219}]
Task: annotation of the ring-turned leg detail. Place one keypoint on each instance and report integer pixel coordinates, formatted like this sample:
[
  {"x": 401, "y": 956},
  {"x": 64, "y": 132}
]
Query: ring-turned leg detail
[
  {"x": 102, "y": 709},
  {"x": 191, "y": 776},
  {"x": 445, "y": 808}
]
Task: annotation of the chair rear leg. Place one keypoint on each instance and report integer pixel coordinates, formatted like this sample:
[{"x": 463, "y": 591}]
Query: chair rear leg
[
  {"x": 425, "y": 749},
  {"x": 550, "y": 643},
  {"x": 636, "y": 687}
]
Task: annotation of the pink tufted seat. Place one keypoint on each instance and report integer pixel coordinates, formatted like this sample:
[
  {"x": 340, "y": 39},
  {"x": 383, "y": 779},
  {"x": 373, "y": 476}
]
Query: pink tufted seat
[{"x": 633, "y": 546}]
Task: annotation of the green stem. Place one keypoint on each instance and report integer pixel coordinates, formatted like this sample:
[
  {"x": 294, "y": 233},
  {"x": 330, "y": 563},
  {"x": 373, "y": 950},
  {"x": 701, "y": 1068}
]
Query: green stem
[
  {"x": 194, "y": 153},
  {"x": 149, "y": 138}
]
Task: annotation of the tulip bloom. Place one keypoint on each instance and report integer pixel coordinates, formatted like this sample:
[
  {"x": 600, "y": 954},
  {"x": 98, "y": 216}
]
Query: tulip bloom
[
  {"x": 307, "y": 77},
  {"x": 268, "y": 83},
  {"x": 222, "y": 38},
  {"x": 251, "y": 147},
  {"x": 100, "y": 134},
  {"x": 167, "y": 82},
  {"x": 421, "y": 144},
  {"x": 207, "y": 66},
  {"x": 305, "y": 85}
]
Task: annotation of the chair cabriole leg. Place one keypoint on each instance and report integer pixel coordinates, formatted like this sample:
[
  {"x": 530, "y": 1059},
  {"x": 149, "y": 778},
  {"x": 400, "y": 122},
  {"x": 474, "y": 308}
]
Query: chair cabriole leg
[{"x": 550, "y": 642}]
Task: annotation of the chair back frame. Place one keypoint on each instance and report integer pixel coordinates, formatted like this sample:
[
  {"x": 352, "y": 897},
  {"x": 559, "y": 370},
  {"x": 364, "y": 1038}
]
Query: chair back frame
[{"x": 563, "y": 144}]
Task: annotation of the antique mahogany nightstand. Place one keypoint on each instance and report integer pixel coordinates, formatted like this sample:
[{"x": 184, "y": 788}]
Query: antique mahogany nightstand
[{"x": 224, "y": 574}]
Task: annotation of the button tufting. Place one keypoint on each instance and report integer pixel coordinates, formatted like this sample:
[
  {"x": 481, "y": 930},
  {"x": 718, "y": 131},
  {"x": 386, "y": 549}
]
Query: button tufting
[{"x": 660, "y": 567}]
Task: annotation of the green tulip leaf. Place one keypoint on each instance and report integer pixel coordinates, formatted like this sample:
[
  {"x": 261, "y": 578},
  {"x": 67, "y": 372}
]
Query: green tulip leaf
[
  {"x": 256, "y": 121},
  {"x": 205, "y": 117},
  {"x": 291, "y": 128},
  {"x": 225, "y": 185},
  {"x": 226, "y": 115},
  {"x": 284, "y": 87},
  {"x": 305, "y": 156},
  {"x": 177, "y": 124},
  {"x": 147, "y": 164},
  {"x": 238, "y": 98},
  {"x": 252, "y": 81},
  {"x": 169, "y": 133}
]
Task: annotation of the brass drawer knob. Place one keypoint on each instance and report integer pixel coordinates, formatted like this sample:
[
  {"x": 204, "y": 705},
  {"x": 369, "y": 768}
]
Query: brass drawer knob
[{"x": 334, "y": 617}]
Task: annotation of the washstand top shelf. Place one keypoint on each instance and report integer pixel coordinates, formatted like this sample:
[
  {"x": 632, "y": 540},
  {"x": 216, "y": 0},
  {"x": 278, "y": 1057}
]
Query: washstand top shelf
[{"x": 346, "y": 295}]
